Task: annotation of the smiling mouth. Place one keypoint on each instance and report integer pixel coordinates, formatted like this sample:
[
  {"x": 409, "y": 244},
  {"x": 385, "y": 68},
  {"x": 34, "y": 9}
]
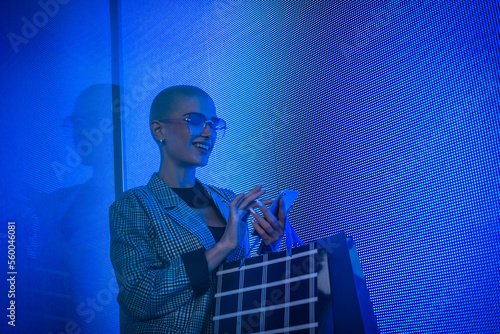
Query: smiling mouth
[{"x": 202, "y": 147}]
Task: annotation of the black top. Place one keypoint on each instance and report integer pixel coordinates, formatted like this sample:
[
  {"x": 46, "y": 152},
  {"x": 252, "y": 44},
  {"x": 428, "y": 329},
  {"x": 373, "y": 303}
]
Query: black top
[
  {"x": 195, "y": 262},
  {"x": 197, "y": 197}
]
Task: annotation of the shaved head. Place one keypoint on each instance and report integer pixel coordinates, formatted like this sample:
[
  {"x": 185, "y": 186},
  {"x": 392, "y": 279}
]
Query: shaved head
[{"x": 169, "y": 99}]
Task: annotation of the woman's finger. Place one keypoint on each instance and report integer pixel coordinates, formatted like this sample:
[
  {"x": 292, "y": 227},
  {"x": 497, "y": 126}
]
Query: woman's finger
[
  {"x": 268, "y": 215},
  {"x": 261, "y": 220},
  {"x": 240, "y": 197},
  {"x": 237, "y": 199},
  {"x": 253, "y": 191},
  {"x": 265, "y": 202},
  {"x": 256, "y": 188},
  {"x": 249, "y": 199},
  {"x": 263, "y": 234},
  {"x": 281, "y": 210},
  {"x": 271, "y": 227},
  {"x": 268, "y": 201}
]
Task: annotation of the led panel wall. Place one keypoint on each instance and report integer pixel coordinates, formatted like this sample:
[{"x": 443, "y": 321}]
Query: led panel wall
[
  {"x": 383, "y": 114},
  {"x": 56, "y": 170}
]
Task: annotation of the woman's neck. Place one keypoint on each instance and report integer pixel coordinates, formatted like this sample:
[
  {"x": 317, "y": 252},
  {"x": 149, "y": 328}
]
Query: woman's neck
[{"x": 177, "y": 177}]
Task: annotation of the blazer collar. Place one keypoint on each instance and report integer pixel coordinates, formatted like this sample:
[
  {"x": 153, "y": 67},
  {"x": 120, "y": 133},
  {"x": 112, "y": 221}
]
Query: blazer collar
[
  {"x": 172, "y": 203},
  {"x": 169, "y": 199}
]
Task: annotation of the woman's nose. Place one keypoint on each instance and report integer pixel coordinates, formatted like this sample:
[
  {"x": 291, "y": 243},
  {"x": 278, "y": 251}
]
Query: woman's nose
[{"x": 207, "y": 131}]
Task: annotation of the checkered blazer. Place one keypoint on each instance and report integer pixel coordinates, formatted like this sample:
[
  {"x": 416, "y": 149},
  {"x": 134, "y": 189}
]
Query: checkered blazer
[{"x": 150, "y": 228}]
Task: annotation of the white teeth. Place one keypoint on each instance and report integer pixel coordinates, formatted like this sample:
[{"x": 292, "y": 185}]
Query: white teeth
[{"x": 203, "y": 146}]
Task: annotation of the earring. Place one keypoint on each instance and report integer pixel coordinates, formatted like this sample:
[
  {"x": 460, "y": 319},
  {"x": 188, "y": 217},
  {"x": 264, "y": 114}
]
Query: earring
[{"x": 161, "y": 141}]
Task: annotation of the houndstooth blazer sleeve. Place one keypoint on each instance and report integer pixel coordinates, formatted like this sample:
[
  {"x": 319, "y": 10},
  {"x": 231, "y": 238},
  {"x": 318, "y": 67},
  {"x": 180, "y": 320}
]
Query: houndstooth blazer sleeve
[
  {"x": 145, "y": 279},
  {"x": 150, "y": 229}
]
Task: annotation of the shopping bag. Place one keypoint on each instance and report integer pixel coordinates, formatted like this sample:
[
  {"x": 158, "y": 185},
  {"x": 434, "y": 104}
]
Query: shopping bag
[{"x": 318, "y": 288}]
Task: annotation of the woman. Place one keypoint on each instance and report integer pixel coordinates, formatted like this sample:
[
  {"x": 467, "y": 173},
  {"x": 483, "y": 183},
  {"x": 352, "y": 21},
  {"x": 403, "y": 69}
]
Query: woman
[{"x": 168, "y": 237}]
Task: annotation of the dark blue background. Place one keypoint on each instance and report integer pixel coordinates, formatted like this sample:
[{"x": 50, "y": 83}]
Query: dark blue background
[{"x": 383, "y": 114}]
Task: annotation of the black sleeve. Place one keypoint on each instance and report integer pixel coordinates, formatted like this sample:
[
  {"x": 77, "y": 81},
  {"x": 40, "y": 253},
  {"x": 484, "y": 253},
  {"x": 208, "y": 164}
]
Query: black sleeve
[{"x": 196, "y": 266}]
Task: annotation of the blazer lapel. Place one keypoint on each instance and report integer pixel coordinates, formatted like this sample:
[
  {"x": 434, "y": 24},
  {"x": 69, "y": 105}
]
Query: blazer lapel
[
  {"x": 224, "y": 207},
  {"x": 180, "y": 212},
  {"x": 183, "y": 215},
  {"x": 221, "y": 203}
]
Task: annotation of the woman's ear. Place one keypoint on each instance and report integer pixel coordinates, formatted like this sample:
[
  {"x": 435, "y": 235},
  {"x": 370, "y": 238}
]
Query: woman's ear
[{"x": 157, "y": 130}]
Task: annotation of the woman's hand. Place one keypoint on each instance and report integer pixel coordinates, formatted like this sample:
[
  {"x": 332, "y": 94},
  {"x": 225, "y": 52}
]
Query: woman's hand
[
  {"x": 238, "y": 214},
  {"x": 268, "y": 226}
]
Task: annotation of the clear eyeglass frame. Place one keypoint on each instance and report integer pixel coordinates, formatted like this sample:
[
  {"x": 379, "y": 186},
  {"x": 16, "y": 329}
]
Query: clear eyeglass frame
[{"x": 197, "y": 123}]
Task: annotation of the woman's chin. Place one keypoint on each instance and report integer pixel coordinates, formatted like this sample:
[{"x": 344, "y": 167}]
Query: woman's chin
[{"x": 203, "y": 163}]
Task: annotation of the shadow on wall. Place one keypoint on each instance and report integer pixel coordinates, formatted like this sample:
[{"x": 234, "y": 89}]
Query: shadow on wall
[{"x": 72, "y": 284}]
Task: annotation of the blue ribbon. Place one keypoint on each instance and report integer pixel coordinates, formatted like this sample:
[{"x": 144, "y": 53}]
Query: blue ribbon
[{"x": 291, "y": 240}]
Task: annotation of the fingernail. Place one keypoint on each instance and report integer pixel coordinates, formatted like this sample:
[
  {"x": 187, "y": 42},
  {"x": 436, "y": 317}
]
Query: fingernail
[{"x": 259, "y": 202}]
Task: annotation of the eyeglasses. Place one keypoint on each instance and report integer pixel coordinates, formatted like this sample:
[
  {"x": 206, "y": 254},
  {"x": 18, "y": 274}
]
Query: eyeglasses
[{"x": 198, "y": 122}]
